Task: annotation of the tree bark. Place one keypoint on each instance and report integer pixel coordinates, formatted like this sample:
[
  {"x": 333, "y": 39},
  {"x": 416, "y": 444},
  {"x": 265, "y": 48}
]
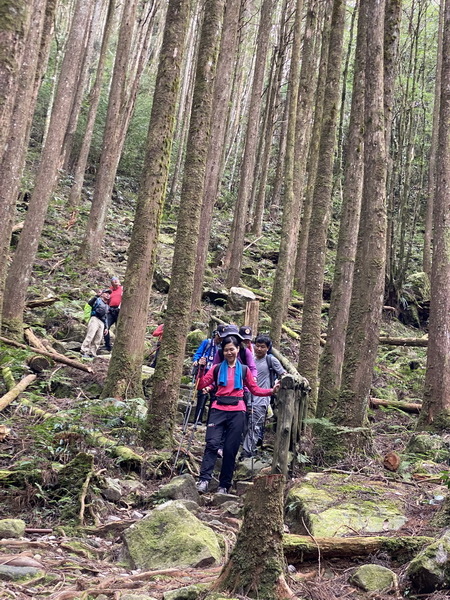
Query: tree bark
[
  {"x": 256, "y": 565},
  {"x": 160, "y": 421},
  {"x": 14, "y": 24},
  {"x": 321, "y": 209},
  {"x": 125, "y": 367},
  {"x": 435, "y": 413},
  {"x": 46, "y": 178},
  {"x": 330, "y": 367},
  {"x": 286, "y": 409},
  {"x": 367, "y": 296},
  {"x": 236, "y": 244},
  {"x": 215, "y": 159},
  {"x": 11, "y": 167}
]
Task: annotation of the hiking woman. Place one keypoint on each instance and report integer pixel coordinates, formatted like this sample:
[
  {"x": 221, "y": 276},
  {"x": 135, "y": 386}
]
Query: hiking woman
[{"x": 228, "y": 413}]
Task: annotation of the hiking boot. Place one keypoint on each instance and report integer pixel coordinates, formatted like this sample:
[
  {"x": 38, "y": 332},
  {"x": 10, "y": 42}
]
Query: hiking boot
[
  {"x": 221, "y": 490},
  {"x": 202, "y": 486}
]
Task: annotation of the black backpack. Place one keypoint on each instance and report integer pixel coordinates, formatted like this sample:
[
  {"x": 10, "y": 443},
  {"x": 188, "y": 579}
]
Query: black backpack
[{"x": 272, "y": 373}]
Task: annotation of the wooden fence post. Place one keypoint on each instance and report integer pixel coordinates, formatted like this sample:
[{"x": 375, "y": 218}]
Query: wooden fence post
[{"x": 251, "y": 318}]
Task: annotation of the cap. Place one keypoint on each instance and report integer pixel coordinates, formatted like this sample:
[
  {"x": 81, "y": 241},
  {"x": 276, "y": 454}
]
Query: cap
[
  {"x": 230, "y": 330},
  {"x": 245, "y": 332},
  {"x": 106, "y": 291}
]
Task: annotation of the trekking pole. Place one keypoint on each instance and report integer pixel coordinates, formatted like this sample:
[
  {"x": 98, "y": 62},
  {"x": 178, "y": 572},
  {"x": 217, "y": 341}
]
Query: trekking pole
[{"x": 187, "y": 415}]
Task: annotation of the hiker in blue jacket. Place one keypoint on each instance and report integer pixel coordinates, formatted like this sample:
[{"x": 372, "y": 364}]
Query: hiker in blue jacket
[
  {"x": 97, "y": 325},
  {"x": 206, "y": 351}
]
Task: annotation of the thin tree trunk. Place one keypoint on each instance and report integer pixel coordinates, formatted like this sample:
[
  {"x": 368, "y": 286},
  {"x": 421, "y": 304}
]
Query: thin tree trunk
[
  {"x": 94, "y": 99},
  {"x": 166, "y": 379},
  {"x": 124, "y": 373},
  {"x": 14, "y": 23},
  {"x": 215, "y": 158},
  {"x": 333, "y": 354},
  {"x": 236, "y": 244},
  {"x": 47, "y": 176},
  {"x": 367, "y": 295},
  {"x": 428, "y": 225},
  {"x": 436, "y": 406},
  {"x": 321, "y": 209},
  {"x": 291, "y": 206},
  {"x": 11, "y": 167}
]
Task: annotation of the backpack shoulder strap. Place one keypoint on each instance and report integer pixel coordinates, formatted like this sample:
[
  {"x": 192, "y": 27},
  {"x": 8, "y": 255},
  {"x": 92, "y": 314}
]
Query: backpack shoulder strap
[
  {"x": 272, "y": 374},
  {"x": 216, "y": 372}
]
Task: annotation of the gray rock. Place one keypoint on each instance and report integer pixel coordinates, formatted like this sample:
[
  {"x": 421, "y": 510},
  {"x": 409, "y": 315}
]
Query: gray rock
[
  {"x": 8, "y": 573},
  {"x": 74, "y": 346},
  {"x": 219, "y": 499},
  {"x": 181, "y": 487},
  {"x": 160, "y": 282},
  {"x": 234, "y": 509},
  {"x": 170, "y": 536},
  {"x": 190, "y": 592},
  {"x": 239, "y": 297},
  {"x": 112, "y": 490},
  {"x": 12, "y": 528},
  {"x": 430, "y": 569},
  {"x": 374, "y": 578},
  {"x": 433, "y": 447},
  {"x": 128, "y": 596}
]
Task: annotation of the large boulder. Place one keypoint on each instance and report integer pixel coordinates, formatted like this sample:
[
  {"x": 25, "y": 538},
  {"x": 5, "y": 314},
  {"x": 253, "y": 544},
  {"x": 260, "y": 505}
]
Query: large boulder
[
  {"x": 374, "y": 578},
  {"x": 239, "y": 297},
  {"x": 328, "y": 505},
  {"x": 12, "y": 528},
  {"x": 181, "y": 487},
  {"x": 430, "y": 569},
  {"x": 171, "y": 536},
  {"x": 429, "y": 446},
  {"x": 9, "y": 573}
]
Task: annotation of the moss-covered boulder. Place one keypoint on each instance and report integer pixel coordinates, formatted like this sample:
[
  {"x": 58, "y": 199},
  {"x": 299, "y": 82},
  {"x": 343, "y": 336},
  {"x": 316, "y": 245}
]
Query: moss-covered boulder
[
  {"x": 170, "y": 536},
  {"x": 9, "y": 573},
  {"x": 374, "y": 578},
  {"x": 194, "y": 339},
  {"x": 12, "y": 528},
  {"x": 328, "y": 505},
  {"x": 430, "y": 569},
  {"x": 431, "y": 447},
  {"x": 190, "y": 592},
  {"x": 69, "y": 487},
  {"x": 179, "y": 488}
]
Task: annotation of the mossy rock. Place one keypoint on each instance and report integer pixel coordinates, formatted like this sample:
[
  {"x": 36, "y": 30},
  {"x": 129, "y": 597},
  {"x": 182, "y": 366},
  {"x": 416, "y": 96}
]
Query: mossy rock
[
  {"x": 68, "y": 488},
  {"x": 17, "y": 574},
  {"x": 190, "y": 592},
  {"x": 181, "y": 487},
  {"x": 194, "y": 339},
  {"x": 432, "y": 447},
  {"x": 430, "y": 569},
  {"x": 170, "y": 536},
  {"x": 12, "y": 528},
  {"x": 326, "y": 505},
  {"x": 374, "y": 578}
]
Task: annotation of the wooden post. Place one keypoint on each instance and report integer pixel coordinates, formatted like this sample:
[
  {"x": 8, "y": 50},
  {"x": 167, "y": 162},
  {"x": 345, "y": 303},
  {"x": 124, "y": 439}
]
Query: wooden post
[
  {"x": 252, "y": 315},
  {"x": 286, "y": 409}
]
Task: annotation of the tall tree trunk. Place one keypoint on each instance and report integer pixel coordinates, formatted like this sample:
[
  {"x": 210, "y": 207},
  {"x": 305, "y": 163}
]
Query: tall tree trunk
[
  {"x": 428, "y": 226},
  {"x": 435, "y": 414},
  {"x": 313, "y": 154},
  {"x": 236, "y": 244},
  {"x": 333, "y": 354},
  {"x": 47, "y": 176},
  {"x": 166, "y": 380},
  {"x": 367, "y": 295},
  {"x": 282, "y": 283},
  {"x": 215, "y": 158},
  {"x": 132, "y": 48},
  {"x": 14, "y": 24},
  {"x": 124, "y": 373},
  {"x": 94, "y": 99},
  {"x": 321, "y": 209}
]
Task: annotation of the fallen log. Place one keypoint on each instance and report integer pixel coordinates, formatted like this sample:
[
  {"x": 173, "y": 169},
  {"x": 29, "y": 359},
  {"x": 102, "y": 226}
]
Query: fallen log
[
  {"x": 388, "y": 341},
  {"x": 33, "y": 340},
  {"x": 406, "y": 406},
  {"x": 54, "y": 356},
  {"x": 41, "y": 302},
  {"x": 38, "y": 363},
  {"x": 16, "y": 391},
  {"x": 298, "y": 548}
]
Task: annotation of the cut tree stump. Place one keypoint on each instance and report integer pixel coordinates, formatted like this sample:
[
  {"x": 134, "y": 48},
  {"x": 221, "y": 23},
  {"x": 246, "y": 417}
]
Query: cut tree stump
[
  {"x": 16, "y": 391},
  {"x": 38, "y": 363},
  {"x": 298, "y": 548},
  {"x": 256, "y": 565},
  {"x": 406, "y": 406}
]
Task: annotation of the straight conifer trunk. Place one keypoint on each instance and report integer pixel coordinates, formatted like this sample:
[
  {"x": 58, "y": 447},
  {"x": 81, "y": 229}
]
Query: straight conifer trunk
[
  {"x": 321, "y": 209},
  {"x": 166, "y": 379},
  {"x": 338, "y": 315},
  {"x": 435, "y": 414},
  {"x": 11, "y": 167},
  {"x": 236, "y": 244},
  {"x": 368, "y": 287},
  {"x": 124, "y": 374},
  {"x": 47, "y": 177}
]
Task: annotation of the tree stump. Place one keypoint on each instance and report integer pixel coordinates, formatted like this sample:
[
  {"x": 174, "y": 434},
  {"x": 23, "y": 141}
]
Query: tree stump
[
  {"x": 256, "y": 565},
  {"x": 251, "y": 318},
  {"x": 286, "y": 409},
  {"x": 38, "y": 363}
]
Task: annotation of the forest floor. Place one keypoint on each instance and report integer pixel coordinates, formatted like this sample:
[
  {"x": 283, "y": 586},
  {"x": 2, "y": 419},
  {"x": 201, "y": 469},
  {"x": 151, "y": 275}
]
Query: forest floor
[{"x": 85, "y": 560}]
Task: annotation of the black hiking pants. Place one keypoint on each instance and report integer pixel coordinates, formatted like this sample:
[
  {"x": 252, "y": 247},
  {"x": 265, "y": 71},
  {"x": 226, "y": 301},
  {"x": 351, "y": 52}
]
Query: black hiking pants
[
  {"x": 229, "y": 425},
  {"x": 111, "y": 318}
]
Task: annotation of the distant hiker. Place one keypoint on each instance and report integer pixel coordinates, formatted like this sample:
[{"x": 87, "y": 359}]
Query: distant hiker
[
  {"x": 227, "y": 415},
  {"x": 97, "y": 324},
  {"x": 269, "y": 369},
  {"x": 204, "y": 357},
  {"x": 158, "y": 333},
  {"x": 246, "y": 334},
  {"x": 114, "y": 307}
]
